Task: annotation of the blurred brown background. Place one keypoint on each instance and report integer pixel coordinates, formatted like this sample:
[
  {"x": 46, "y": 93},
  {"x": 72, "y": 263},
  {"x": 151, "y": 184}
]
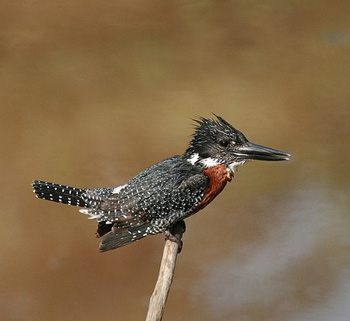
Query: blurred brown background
[{"x": 92, "y": 92}]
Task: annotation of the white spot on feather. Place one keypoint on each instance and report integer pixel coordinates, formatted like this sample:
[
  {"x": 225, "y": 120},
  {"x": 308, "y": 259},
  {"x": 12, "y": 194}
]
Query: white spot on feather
[
  {"x": 193, "y": 159},
  {"x": 117, "y": 189},
  {"x": 93, "y": 216}
]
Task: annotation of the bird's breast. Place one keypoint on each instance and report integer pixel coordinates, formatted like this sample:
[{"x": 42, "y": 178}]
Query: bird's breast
[{"x": 218, "y": 177}]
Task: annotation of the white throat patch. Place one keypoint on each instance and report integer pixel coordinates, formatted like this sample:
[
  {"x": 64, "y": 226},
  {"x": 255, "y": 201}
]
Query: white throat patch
[
  {"x": 206, "y": 162},
  {"x": 210, "y": 162},
  {"x": 233, "y": 166}
]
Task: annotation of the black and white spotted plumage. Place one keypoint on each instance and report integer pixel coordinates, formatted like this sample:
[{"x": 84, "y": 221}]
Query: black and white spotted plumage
[
  {"x": 147, "y": 204},
  {"x": 166, "y": 192}
]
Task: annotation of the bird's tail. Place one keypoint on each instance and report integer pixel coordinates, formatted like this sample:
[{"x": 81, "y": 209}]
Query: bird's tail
[
  {"x": 59, "y": 193},
  {"x": 122, "y": 237}
]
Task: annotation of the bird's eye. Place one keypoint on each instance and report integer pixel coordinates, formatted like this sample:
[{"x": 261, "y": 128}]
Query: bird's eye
[{"x": 223, "y": 142}]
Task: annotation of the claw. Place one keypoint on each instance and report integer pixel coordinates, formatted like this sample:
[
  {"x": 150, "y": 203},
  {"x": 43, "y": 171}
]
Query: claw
[
  {"x": 175, "y": 232},
  {"x": 174, "y": 238}
]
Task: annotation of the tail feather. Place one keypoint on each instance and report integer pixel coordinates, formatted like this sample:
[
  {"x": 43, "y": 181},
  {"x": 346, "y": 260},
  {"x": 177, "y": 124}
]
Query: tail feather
[
  {"x": 126, "y": 236},
  {"x": 59, "y": 193}
]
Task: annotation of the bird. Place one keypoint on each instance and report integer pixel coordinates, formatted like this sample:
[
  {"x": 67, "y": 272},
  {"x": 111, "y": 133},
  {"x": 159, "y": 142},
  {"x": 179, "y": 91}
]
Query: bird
[{"x": 163, "y": 195}]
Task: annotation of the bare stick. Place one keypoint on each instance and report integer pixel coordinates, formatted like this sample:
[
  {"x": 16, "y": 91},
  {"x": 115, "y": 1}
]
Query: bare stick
[{"x": 165, "y": 277}]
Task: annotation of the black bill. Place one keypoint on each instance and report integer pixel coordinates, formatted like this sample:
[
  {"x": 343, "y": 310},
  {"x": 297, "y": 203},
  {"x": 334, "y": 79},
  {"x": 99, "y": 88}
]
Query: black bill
[{"x": 255, "y": 151}]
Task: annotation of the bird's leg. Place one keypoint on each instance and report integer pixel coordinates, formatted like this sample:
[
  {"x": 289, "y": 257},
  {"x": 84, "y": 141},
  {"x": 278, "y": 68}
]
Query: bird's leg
[{"x": 174, "y": 233}]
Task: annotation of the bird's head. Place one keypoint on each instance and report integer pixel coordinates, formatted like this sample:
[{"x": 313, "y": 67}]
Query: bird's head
[{"x": 216, "y": 142}]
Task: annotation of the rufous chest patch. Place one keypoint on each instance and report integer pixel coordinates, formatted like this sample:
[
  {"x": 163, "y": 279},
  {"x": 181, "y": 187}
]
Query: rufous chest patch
[{"x": 218, "y": 177}]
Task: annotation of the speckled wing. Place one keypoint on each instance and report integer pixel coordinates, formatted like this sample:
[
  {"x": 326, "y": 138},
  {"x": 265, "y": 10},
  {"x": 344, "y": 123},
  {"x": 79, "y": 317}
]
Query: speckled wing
[{"x": 150, "y": 202}]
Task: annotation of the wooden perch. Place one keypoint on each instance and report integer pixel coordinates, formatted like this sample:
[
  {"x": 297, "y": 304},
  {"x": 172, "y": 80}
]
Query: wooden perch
[{"x": 166, "y": 273}]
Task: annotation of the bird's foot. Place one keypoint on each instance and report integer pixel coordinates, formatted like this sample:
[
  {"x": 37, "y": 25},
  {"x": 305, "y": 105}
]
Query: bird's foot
[{"x": 175, "y": 232}]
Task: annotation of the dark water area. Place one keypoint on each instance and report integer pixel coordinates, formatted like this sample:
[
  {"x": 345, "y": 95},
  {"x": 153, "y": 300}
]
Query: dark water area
[{"x": 92, "y": 92}]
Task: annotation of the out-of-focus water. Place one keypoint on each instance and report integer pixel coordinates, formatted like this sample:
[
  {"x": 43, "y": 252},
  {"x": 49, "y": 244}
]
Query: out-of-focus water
[{"x": 93, "y": 92}]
